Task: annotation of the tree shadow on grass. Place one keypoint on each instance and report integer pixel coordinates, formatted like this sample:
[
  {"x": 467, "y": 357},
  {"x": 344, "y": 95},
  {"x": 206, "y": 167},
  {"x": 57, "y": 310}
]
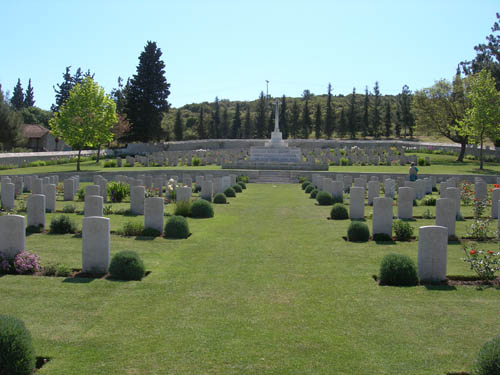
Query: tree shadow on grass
[{"x": 440, "y": 288}]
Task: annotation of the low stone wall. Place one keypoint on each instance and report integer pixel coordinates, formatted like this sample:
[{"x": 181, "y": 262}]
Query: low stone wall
[
  {"x": 276, "y": 166},
  {"x": 19, "y": 159}
]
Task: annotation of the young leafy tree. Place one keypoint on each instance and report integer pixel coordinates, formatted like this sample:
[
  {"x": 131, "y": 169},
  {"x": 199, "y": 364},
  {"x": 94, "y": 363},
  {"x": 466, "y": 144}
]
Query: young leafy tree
[
  {"x": 330, "y": 114},
  {"x": 178, "y": 126},
  {"x": 17, "y": 100},
  {"x": 317, "y": 122},
  {"x": 295, "y": 120},
  {"x": 366, "y": 118},
  {"x": 284, "y": 126},
  {"x": 376, "y": 117},
  {"x": 10, "y": 125},
  {"x": 225, "y": 132},
  {"x": 87, "y": 117},
  {"x": 248, "y": 125},
  {"x": 147, "y": 96},
  {"x": 306, "y": 121},
  {"x": 202, "y": 132},
  {"x": 387, "y": 121},
  {"x": 440, "y": 108},
  {"x": 260, "y": 122},
  {"x": 342, "y": 129},
  {"x": 29, "y": 98},
  {"x": 236, "y": 126},
  {"x": 482, "y": 119},
  {"x": 352, "y": 117}
]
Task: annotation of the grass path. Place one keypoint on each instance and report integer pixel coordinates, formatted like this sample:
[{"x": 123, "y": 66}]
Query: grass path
[{"x": 268, "y": 286}]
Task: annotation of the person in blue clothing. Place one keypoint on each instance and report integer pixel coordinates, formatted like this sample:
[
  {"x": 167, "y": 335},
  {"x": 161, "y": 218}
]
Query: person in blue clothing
[{"x": 413, "y": 172}]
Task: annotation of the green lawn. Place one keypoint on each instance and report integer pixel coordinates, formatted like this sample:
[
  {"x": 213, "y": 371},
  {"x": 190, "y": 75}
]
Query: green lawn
[{"x": 268, "y": 286}]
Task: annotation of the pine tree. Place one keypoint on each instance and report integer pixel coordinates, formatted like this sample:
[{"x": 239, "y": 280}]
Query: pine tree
[
  {"x": 376, "y": 117},
  {"x": 225, "y": 132},
  {"x": 404, "y": 110},
  {"x": 147, "y": 96},
  {"x": 260, "y": 122},
  {"x": 387, "y": 122},
  {"x": 119, "y": 95},
  {"x": 284, "y": 118},
  {"x": 317, "y": 122},
  {"x": 29, "y": 98},
  {"x": 17, "y": 100},
  {"x": 352, "y": 116},
  {"x": 270, "y": 123},
  {"x": 216, "y": 128},
  {"x": 295, "y": 120},
  {"x": 330, "y": 114},
  {"x": 63, "y": 89},
  {"x": 366, "y": 119},
  {"x": 202, "y": 133},
  {"x": 397, "y": 127},
  {"x": 342, "y": 130},
  {"x": 236, "y": 128},
  {"x": 248, "y": 124},
  {"x": 306, "y": 123},
  {"x": 178, "y": 126}
]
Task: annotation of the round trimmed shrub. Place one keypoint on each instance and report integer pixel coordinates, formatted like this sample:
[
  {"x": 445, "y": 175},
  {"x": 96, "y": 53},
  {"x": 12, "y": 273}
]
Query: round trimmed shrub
[
  {"x": 202, "y": 209},
  {"x": 324, "y": 198},
  {"x": 314, "y": 192},
  {"x": 308, "y": 189},
  {"x": 403, "y": 230},
  {"x": 358, "y": 232},
  {"x": 220, "y": 198},
  {"x": 237, "y": 188},
  {"x": 339, "y": 212},
  {"x": 62, "y": 224},
  {"x": 182, "y": 208},
  {"x": 176, "y": 227},
  {"x": 127, "y": 265},
  {"x": 305, "y": 184},
  {"x": 17, "y": 356},
  {"x": 242, "y": 184},
  {"x": 488, "y": 358},
  {"x": 229, "y": 192},
  {"x": 398, "y": 270}
]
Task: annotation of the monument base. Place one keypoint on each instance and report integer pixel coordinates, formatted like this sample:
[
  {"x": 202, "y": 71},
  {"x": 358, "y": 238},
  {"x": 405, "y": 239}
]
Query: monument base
[{"x": 276, "y": 154}]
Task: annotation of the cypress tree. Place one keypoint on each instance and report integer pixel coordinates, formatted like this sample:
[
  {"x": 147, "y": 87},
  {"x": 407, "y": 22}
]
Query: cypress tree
[
  {"x": 376, "y": 118},
  {"x": 352, "y": 116},
  {"x": 306, "y": 123},
  {"x": 29, "y": 98},
  {"x": 397, "y": 128},
  {"x": 178, "y": 126},
  {"x": 147, "y": 96},
  {"x": 404, "y": 108},
  {"x": 260, "y": 122},
  {"x": 387, "y": 122},
  {"x": 17, "y": 100},
  {"x": 225, "y": 124},
  {"x": 295, "y": 120},
  {"x": 248, "y": 124},
  {"x": 236, "y": 128},
  {"x": 215, "y": 128},
  {"x": 366, "y": 119},
  {"x": 284, "y": 118},
  {"x": 342, "y": 130},
  {"x": 330, "y": 114},
  {"x": 270, "y": 123},
  {"x": 202, "y": 133},
  {"x": 317, "y": 122}
]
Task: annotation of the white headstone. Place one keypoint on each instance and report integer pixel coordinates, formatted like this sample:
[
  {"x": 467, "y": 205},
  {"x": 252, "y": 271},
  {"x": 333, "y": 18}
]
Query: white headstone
[
  {"x": 183, "y": 194},
  {"x": 382, "y": 215},
  {"x": 432, "y": 252},
  {"x": 12, "y": 234},
  {"x": 405, "y": 203},
  {"x": 153, "y": 213},
  {"x": 373, "y": 191},
  {"x": 357, "y": 203},
  {"x": 36, "y": 210},
  {"x": 50, "y": 192},
  {"x": 93, "y": 205},
  {"x": 446, "y": 214},
  {"x": 69, "y": 189},
  {"x": 95, "y": 244},
  {"x": 8, "y": 196},
  {"x": 137, "y": 196},
  {"x": 495, "y": 197},
  {"x": 207, "y": 190}
]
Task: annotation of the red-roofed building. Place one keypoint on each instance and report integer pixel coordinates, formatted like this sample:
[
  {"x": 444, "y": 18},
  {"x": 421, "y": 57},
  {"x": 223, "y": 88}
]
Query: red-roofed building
[{"x": 40, "y": 139}]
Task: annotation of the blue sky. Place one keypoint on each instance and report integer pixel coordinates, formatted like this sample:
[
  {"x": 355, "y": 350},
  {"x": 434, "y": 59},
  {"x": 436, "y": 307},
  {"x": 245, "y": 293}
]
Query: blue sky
[{"x": 230, "y": 48}]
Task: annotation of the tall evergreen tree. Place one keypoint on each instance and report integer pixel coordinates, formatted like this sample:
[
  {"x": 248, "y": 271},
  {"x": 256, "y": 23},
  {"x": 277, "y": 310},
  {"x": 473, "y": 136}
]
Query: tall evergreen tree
[
  {"x": 10, "y": 125},
  {"x": 17, "y": 100},
  {"x": 306, "y": 121},
  {"x": 260, "y": 122},
  {"x": 270, "y": 122},
  {"x": 178, "y": 126},
  {"x": 202, "y": 132},
  {"x": 119, "y": 95},
  {"x": 376, "y": 117},
  {"x": 248, "y": 125},
  {"x": 236, "y": 128},
  {"x": 330, "y": 114},
  {"x": 62, "y": 91},
  {"x": 29, "y": 98},
  {"x": 317, "y": 122},
  {"x": 366, "y": 118},
  {"x": 284, "y": 118},
  {"x": 352, "y": 118},
  {"x": 342, "y": 129},
  {"x": 295, "y": 120},
  {"x": 387, "y": 121},
  {"x": 397, "y": 126},
  {"x": 147, "y": 96},
  {"x": 225, "y": 132},
  {"x": 216, "y": 128},
  {"x": 404, "y": 108}
]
